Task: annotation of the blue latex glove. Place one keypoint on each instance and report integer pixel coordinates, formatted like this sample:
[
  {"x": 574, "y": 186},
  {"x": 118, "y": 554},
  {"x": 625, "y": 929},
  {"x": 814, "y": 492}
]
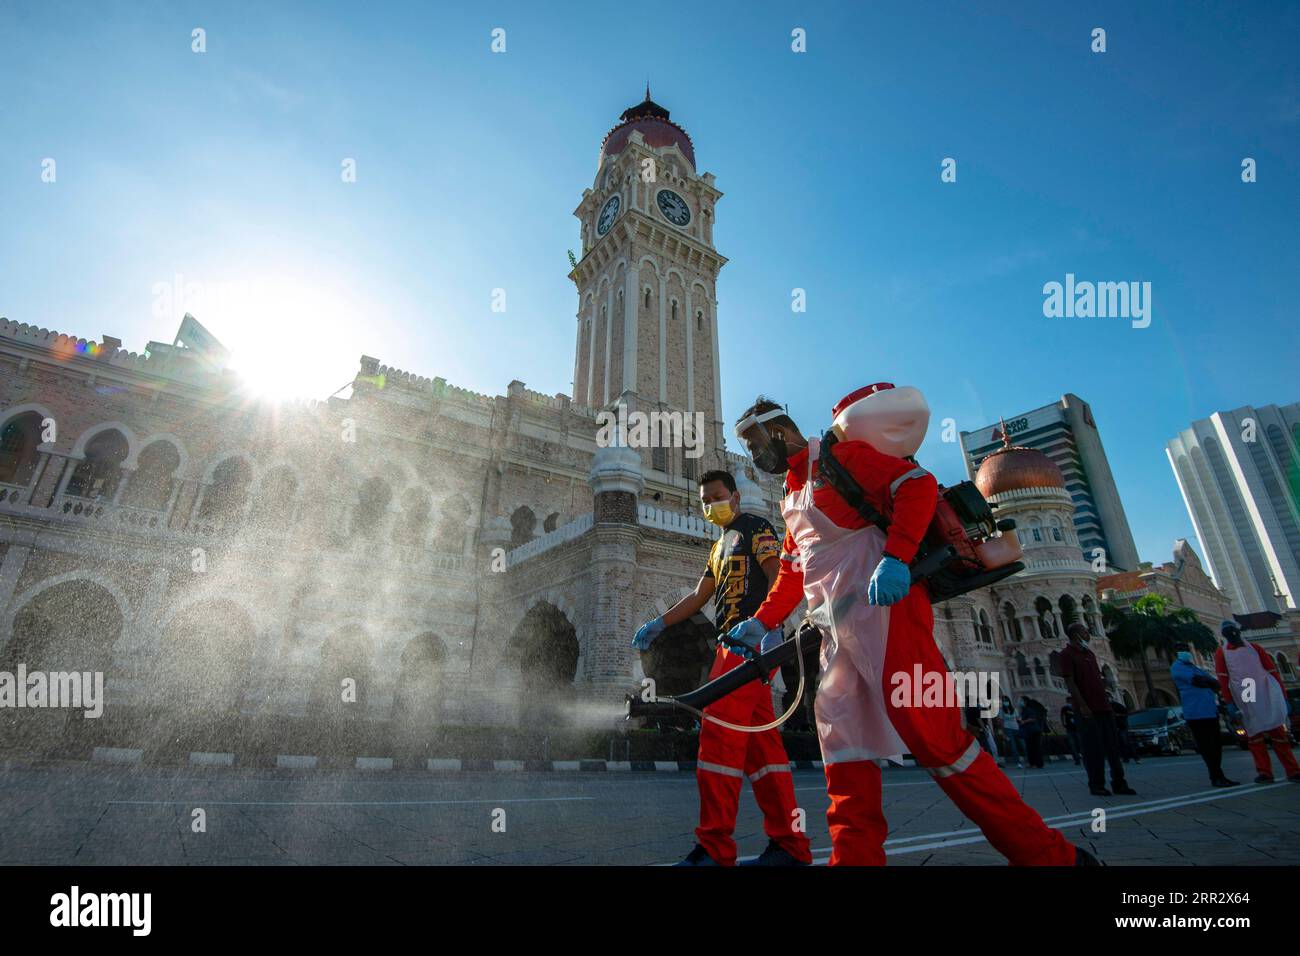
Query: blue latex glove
[
  {"x": 889, "y": 583},
  {"x": 647, "y": 633},
  {"x": 750, "y": 636}
]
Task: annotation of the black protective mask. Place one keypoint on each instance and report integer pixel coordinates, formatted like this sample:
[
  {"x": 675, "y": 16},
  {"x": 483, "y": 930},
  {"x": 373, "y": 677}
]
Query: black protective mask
[
  {"x": 1233, "y": 637},
  {"x": 772, "y": 457}
]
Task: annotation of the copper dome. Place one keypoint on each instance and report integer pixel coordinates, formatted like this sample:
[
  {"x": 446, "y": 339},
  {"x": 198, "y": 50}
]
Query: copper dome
[
  {"x": 651, "y": 120},
  {"x": 1012, "y": 467}
]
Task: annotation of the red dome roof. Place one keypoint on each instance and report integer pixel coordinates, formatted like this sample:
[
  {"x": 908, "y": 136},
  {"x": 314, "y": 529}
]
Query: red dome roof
[
  {"x": 652, "y": 122},
  {"x": 1013, "y": 467}
]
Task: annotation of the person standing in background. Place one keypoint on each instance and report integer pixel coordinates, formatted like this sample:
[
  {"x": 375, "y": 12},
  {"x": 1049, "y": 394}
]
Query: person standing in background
[
  {"x": 1249, "y": 679},
  {"x": 1198, "y": 692},
  {"x": 1070, "y": 724},
  {"x": 1078, "y": 665},
  {"x": 1031, "y": 732},
  {"x": 1011, "y": 733}
]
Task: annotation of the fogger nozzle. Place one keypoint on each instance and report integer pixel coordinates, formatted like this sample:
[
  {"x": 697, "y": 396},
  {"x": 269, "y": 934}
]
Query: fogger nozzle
[{"x": 806, "y": 639}]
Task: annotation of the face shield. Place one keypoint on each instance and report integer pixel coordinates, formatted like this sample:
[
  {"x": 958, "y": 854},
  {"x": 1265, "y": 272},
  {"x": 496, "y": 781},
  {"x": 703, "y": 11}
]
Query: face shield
[{"x": 768, "y": 451}]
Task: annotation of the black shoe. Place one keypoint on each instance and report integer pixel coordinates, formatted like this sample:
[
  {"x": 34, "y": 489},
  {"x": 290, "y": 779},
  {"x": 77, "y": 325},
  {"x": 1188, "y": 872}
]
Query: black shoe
[
  {"x": 1078, "y": 763},
  {"x": 1294, "y": 778},
  {"x": 698, "y": 857},
  {"x": 1224, "y": 782},
  {"x": 1263, "y": 778},
  {"x": 774, "y": 855},
  {"x": 1099, "y": 791},
  {"x": 1083, "y": 858},
  {"x": 1123, "y": 790}
]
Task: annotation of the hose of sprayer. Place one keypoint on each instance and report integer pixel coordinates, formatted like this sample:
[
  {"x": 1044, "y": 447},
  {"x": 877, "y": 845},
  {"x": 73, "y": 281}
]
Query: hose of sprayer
[{"x": 798, "y": 699}]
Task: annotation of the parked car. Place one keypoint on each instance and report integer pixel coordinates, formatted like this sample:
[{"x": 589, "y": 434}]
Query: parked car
[{"x": 1159, "y": 730}]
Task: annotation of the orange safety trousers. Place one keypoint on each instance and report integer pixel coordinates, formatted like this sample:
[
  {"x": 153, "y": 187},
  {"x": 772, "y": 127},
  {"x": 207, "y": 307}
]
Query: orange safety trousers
[
  {"x": 728, "y": 756},
  {"x": 937, "y": 738}
]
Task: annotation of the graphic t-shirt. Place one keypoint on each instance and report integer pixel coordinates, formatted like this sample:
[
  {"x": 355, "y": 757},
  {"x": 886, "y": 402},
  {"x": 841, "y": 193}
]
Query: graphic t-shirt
[{"x": 736, "y": 566}]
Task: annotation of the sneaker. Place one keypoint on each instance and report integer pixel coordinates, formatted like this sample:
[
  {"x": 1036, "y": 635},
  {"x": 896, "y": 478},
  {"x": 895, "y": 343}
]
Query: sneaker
[
  {"x": 698, "y": 857},
  {"x": 1264, "y": 778},
  {"x": 1123, "y": 789},
  {"x": 1224, "y": 782},
  {"x": 774, "y": 855},
  {"x": 1099, "y": 792}
]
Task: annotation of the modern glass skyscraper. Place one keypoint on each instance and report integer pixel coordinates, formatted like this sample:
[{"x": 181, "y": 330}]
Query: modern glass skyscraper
[
  {"x": 1239, "y": 473},
  {"x": 1066, "y": 432}
]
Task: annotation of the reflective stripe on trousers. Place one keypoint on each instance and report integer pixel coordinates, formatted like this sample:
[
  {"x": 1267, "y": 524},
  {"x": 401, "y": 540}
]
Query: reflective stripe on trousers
[
  {"x": 762, "y": 772},
  {"x": 962, "y": 762},
  {"x": 718, "y": 768}
]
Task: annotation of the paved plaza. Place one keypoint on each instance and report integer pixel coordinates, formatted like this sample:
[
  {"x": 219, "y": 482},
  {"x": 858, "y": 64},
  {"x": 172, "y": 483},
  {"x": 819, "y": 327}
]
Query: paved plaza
[{"x": 89, "y": 814}]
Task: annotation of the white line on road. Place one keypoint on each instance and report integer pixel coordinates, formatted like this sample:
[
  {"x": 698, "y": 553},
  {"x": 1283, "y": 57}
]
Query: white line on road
[
  {"x": 1066, "y": 820},
  {"x": 334, "y": 803}
]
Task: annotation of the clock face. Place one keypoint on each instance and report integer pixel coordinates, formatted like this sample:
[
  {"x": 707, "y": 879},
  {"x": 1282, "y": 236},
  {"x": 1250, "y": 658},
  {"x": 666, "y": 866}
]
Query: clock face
[
  {"x": 673, "y": 207},
  {"x": 607, "y": 215}
]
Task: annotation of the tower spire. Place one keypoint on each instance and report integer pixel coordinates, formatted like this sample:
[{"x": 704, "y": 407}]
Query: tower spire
[{"x": 647, "y": 90}]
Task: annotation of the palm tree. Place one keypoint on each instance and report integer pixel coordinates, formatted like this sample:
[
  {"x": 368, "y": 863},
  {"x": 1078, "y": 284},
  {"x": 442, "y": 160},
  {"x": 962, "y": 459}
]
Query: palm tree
[{"x": 1149, "y": 623}]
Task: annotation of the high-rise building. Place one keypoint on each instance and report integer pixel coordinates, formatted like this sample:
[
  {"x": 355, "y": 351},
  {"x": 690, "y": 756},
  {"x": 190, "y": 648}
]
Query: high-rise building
[
  {"x": 1066, "y": 432},
  {"x": 1239, "y": 473}
]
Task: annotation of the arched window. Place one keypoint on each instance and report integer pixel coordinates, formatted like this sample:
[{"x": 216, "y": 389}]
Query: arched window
[
  {"x": 699, "y": 320},
  {"x": 414, "y": 526},
  {"x": 1284, "y": 665},
  {"x": 647, "y": 297},
  {"x": 1012, "y": 622},
  {"x": 674, "y": 310},
  {"x": 551, "y": 523},
  {"x": 18, "y": 454},
  {"x": 225, "y": 498},
  {"x": 985, "y": 628},
  {"x": 371, "y": 508},
  {"x": 151, "y": 485},
  {"x": 453, "y": 527},
  {"x": 273, "y": 507},
  {"x": 1046, "y": 622},
  {"x": 523, "y": 525},
  {"x": 1089, "y": 613},
  {"x": 98, "y": 475}
]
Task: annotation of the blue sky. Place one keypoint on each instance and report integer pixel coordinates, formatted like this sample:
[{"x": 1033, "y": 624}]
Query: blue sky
[{"x": 224, "y": 168}]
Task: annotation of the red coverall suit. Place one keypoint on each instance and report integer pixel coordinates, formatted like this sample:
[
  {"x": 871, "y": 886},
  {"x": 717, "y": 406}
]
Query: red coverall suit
[
  {"x": 727, "y": 756},
  {"x": 935, "y": 736},
  {"x": 1264, "y": 718}
]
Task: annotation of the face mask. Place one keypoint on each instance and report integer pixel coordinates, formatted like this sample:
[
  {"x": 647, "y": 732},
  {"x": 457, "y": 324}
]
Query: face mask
[
  {"x": 1185, "y": 656},
  {"x": 1233, "y": 638},
  {"x": 772, "y": 457},
  {"x": 719, "y": 513}
]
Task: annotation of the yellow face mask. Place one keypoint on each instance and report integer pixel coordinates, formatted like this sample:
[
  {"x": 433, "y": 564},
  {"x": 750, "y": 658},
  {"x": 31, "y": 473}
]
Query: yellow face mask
[{"x": 719, "y": 513}]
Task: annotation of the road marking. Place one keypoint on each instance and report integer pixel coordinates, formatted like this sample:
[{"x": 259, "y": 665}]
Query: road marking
[
  {"x": 198, "y": 801},
  {"x": 1069, "y": 819}
]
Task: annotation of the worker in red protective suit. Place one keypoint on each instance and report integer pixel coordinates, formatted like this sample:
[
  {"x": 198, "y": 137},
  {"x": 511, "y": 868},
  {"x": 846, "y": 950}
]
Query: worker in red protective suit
[
  {"x": 742, "y": 566},
  {"x": 876, "y": 624},
  {"x": 1252, "y": 686}
]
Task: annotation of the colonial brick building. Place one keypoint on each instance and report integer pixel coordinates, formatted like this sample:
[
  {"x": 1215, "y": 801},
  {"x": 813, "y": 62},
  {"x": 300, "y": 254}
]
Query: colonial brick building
[{"x": 416, "y": 554}]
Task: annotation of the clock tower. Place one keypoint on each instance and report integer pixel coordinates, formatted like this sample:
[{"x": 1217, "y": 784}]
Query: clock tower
[{"x": 647, "y": 305}]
